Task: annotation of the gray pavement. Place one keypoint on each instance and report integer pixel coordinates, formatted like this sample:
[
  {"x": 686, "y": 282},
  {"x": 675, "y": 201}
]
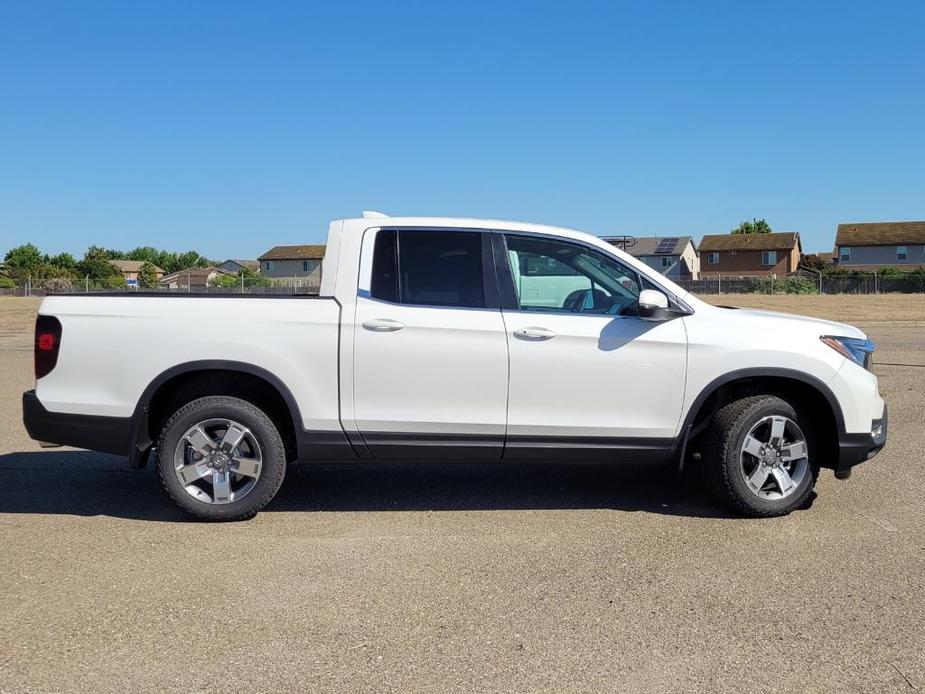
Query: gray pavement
[{"x": 463, "y": 578}]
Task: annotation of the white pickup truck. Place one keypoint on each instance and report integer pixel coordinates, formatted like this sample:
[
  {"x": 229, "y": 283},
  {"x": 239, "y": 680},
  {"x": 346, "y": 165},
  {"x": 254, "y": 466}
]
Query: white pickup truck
[{"x": 455, "y": 339}]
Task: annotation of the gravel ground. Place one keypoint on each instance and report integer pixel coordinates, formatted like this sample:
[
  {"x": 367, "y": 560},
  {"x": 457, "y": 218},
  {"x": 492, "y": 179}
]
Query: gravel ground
[{"x": 462, "y": 578}]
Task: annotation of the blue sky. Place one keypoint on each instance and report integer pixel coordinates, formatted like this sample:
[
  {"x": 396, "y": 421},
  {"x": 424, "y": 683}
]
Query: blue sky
[{"x": 230, "y": 127}]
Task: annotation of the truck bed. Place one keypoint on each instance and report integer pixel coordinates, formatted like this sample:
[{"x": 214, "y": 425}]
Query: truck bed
[{"x": 114, "y": 345}]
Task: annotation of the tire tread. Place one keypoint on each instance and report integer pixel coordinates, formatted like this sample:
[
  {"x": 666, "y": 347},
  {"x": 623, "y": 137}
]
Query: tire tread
[
  {"x": 218, "y": 513},
  {"x": 720, "y": 439}
]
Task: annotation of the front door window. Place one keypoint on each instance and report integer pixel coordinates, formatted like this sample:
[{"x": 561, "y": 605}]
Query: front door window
[{"x": 562, "y": 277}]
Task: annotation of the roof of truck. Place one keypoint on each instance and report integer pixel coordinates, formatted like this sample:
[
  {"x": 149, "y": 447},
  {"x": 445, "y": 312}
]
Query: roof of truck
[{"x": 470, "y": 223}]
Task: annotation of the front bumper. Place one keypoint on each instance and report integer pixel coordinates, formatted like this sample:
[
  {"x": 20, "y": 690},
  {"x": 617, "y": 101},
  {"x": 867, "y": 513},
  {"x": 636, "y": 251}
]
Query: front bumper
[
  {"x": 854, "y": 449},
  {"x": 104, "y": 434}
]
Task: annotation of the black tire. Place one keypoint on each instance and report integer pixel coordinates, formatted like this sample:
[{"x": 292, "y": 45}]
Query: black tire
[
  {"x": 261, "y": 427},
  {"x": 723, "y": 456}
]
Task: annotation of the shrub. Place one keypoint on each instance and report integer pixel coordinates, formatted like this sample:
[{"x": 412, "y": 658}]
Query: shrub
[
  {"x": 56, "y": 285},
  {"x": 786, "y": 285},
  {"x": 225, "y": 281},
  {"x": 234, "y": 281}
]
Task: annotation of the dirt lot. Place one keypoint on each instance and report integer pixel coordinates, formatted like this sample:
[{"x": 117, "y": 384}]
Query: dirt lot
[
  {"x": 467, "y": 578},
  {"x": 851, "y": 308}
]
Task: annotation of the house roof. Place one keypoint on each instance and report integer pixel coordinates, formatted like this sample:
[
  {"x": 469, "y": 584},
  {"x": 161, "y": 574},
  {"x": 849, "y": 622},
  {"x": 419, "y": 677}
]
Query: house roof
[
  {"x": 779, "y": 240},
  {"x": 308, "y": 252},
  {"x": 197, "y": 275},
  {"x": 252, "y": 264},
  {"x": 827, "y": 257},
  {"x": 652, "y": 245},
  {"x": 880, "y": 234},
  {"x": 132, "y": 265}
]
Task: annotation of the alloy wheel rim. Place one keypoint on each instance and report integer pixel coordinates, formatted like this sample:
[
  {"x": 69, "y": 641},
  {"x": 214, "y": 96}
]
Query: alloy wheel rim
[
  {"x": 774, "y": 458},
  {"x": 218, "y": 461}
]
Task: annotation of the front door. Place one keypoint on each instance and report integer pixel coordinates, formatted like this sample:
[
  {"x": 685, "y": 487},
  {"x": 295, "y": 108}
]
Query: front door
[
  {"x": 588, "y": 376},
  {"x": 430, "y": 351}
]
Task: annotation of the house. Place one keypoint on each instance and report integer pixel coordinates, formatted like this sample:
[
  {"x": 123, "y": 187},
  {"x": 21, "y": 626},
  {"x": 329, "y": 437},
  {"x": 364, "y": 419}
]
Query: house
[
  {"x": 674, "y": 256},
  {"x": 748, "y": 255},
  {"x": 131, "y": 268},
  {"x": 871, "y": 246},
  {"x": 192, "y": 278},
  {"x": 238, "y": 266},
  {"x": 293, "y": 263}
]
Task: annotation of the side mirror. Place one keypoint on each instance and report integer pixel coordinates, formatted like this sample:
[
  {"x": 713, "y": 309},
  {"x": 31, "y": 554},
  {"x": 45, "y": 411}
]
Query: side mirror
[{"x": 653, "y": 305}]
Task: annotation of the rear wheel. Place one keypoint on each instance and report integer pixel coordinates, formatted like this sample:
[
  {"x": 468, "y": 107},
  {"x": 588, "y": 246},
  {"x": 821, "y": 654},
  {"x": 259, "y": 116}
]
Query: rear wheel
[
  {"x": 221, "y": 458},
  {"x": 760, "y": 456}
]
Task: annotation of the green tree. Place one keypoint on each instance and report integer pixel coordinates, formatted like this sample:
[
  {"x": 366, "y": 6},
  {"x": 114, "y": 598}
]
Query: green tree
[
  {"x": 65, "y": 261},
  {"x": 251, "y": 279},
  {"x": 49, "y": 271},
  {"x": 23, "y": 258},
  {"x": 814, "y": 262},
  {"x": 144, "y": 253},
  {"x": 192, "y": 259},
  {"x": 226, "y": 281},
  {"x": 147, "y": 276},
  {"x": 756, "y": 226},
  {"x": 96, "y": 265}
]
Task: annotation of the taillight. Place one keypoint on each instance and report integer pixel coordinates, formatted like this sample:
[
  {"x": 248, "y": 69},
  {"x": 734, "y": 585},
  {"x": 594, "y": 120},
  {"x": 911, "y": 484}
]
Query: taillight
[{"x": 47, "y": 344}]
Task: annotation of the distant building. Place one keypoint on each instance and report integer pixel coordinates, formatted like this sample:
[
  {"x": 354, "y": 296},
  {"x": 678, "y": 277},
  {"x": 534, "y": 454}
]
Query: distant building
[
  {"x": 192, "y": 278},
  {"x": 238, "y": 266},
  {"x": 747, "y": 255},
  {"x": 871, "y": 246},
  {"x": 131, "y": 268},
  {"x": 673, "y": 256},
  {"x": 293, "y": 262}
]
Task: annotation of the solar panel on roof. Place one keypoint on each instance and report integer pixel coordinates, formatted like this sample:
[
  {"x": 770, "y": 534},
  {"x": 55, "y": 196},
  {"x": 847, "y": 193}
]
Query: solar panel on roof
[{"x": 666, "y": 245}]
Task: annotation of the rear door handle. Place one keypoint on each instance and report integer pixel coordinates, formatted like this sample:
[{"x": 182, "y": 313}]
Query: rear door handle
[
  {"x": 383, "y": 325},
  {"x": 534, "y": 333}
]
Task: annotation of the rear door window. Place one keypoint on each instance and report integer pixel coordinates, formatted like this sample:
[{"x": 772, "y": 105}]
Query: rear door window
[{"x": 429, "y": 268}]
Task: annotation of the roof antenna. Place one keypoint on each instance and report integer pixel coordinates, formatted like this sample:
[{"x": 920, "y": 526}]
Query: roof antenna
[{"x": 372, "y": 214}]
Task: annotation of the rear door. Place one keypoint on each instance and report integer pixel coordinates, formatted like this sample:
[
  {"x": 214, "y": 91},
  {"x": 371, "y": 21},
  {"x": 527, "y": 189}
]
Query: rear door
[
  {"x": 588, "y": 376},
  {"x": 430, "y": 349}
]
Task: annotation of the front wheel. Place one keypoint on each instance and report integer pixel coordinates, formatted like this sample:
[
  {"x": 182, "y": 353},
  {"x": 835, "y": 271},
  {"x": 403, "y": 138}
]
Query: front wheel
[
  {"x": 221, "y": 458},
  {"x": 760, "y": 456}
]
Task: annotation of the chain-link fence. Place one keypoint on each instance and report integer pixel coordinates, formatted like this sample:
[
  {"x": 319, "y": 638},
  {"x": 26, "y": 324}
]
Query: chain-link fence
[
  {"x": 46, "y": 287},
  {"x": 806, "y": 284},
  {"x": 793, "y": 284}
]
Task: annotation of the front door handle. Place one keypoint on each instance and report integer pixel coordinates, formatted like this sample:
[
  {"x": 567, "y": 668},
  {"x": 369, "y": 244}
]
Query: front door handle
[
  {"x": 534, "y": 333},
  {"x": 383, "y": 325}
]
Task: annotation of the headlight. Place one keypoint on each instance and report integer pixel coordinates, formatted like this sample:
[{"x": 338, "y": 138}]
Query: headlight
[{"x": 852, "y": 348}]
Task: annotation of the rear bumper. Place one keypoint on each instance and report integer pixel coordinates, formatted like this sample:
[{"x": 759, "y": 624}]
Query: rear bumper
[
  {"x": 104, "y": 434},
  {"x": 854, "y": 449}
]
